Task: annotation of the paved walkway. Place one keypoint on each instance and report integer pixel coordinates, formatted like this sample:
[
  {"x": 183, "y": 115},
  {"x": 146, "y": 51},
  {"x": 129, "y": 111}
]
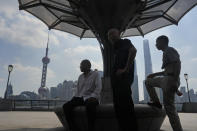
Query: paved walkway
[{"x": 47, "y": 121}]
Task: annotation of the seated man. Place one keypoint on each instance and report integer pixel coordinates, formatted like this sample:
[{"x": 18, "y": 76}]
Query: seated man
[
  {"x": 88, "y": 94},
  {"x": 168, "y": 81}
]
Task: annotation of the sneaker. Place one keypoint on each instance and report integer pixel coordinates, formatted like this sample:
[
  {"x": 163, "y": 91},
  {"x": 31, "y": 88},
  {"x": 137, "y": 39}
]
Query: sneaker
[{"x": 155, "y": 104}]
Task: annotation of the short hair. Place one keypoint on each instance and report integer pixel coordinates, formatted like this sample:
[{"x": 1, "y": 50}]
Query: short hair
[
  {"x": 163, "y": 38},
  {"x": 87, "y": 62},
  {"x": 113, "y": 30}
]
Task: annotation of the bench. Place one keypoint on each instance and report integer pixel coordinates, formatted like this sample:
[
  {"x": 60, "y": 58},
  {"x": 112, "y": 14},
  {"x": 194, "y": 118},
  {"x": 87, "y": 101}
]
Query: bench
[{"x": 148, "y": 118}]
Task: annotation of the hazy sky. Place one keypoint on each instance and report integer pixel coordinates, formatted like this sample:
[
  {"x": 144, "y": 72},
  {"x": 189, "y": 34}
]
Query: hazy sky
[{"x": 23, "y": 40}]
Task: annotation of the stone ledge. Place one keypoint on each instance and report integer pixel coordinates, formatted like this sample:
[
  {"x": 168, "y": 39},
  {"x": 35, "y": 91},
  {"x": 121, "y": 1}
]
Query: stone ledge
[
  {"x": 189, "y": 107},
  {"x": 5, "y": 105},
  {"x": 149, "y": 118}
]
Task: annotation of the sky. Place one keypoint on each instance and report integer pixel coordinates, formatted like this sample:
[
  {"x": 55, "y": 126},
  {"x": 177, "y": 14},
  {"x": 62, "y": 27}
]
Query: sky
[{"x": 23, "y": 39}]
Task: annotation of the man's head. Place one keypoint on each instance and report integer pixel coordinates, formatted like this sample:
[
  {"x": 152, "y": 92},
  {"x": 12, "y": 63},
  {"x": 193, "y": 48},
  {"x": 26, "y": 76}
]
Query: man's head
[
  {"x": 113, "y": 35},
  {"x": 85, "y": 66},
  {"x": 162, "y": 42}
]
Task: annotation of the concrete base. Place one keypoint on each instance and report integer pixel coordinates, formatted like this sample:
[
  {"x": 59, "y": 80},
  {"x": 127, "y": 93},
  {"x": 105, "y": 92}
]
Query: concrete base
[
  {"x": 5, "y": 105},
  {"x": 149, "y": 118},
  {"x": 190, "y": 107}
]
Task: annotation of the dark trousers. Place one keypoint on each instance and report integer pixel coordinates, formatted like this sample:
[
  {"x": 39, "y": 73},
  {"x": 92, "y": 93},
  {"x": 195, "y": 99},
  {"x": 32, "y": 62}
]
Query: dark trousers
[
  {"x": 90, "y": 104},
  {"x": 123, "y": 103}
]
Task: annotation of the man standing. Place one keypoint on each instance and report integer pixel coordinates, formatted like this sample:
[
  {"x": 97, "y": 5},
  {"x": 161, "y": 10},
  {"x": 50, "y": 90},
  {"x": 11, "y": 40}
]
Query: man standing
[
  {"x": 168, "y": 80},
  {"x": 88, "y": 94},
  {"x": 121, "y": 80}
]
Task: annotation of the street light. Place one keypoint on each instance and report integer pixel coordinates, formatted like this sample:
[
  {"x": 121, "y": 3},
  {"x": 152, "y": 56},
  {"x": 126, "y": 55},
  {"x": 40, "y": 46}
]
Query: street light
[
  {"x": 10, "y": 68},
  {"x": 186, "y": 79}
]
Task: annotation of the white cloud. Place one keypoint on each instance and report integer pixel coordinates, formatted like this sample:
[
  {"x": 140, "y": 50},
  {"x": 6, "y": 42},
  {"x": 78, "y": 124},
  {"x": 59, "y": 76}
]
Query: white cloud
[
  {"x": 192, "y": 83},
  {"x": 97, "y": 65},
  {"x": 194, "y": 59},
  {"x": 81, "y": 50},
  {"x": 184, "y": 50},
  {"x": 22, "y": 28},
  {"x": 32, "y": 72},
  {"x": 1, "y": 79},
  {"x": 54, "y": 57}
]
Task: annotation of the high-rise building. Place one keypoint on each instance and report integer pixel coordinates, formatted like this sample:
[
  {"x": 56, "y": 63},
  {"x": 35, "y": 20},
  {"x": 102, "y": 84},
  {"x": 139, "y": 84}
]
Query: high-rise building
[
  {"x": 147, "y": 58},
  {"x": 53, "y": 93},
  {"x": 9, "y": 91},
  {"x": 134, "y": 86},
  {"x": 148, "y": 69},
  {"x": 64, "y": 91},
  {"x": 68, "y": 89},
  {"x": 43, "y": 90}
]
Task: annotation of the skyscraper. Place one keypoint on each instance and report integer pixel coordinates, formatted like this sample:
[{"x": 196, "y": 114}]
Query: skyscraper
[
  {"x": 148, "y": 69},
  {"x": 43, "y": 90},
  {"x": 9, "y": 91},
  {"x": 134, "y": 86}
]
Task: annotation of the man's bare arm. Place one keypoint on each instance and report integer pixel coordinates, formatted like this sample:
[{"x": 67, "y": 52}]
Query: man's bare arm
[{"x": 131, "y": 57}]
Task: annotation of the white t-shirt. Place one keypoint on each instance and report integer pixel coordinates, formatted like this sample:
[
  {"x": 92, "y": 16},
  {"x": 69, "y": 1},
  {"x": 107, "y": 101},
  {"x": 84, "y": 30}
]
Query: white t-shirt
[{"x": 89, "y": 86}]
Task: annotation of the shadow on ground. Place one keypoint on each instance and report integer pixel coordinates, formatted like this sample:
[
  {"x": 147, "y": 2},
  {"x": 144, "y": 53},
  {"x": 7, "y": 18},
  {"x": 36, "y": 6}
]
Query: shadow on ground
[{"x": 36, "y": 129}]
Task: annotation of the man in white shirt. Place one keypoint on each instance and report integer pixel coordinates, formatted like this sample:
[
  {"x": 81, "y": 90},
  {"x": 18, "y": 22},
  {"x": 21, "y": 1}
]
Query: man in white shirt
[{"x": 87, "y": 94}]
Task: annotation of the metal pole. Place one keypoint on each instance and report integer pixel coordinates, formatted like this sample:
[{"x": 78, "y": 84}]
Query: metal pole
[
  {"x": 5, "y": 95},
  {"x": 188, "y": 91}
]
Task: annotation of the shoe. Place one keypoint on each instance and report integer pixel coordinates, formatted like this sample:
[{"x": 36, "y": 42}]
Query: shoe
[{"x": 155, "y": 104}]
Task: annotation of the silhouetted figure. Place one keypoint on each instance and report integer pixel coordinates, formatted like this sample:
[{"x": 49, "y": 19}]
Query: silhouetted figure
[
  {"x": 168, "y": 80},
  {"x": 121, "y": 80},
  {"x": 87, "y": 94}
]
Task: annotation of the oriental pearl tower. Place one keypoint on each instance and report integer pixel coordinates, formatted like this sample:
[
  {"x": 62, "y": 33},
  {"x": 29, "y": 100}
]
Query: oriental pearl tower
[{"x": 43, "y": 90}]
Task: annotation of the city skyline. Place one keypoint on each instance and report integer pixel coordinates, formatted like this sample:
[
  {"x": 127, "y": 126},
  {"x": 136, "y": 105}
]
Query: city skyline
[
  {"x": 23, "y": 38},
  {"x": 147, "y": 66},
  {"x": 135, "y": 86}
]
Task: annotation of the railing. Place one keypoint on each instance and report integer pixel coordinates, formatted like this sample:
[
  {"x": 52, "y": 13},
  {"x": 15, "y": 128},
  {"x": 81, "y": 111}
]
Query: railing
[
  {"x": 36, "y": 105},
  {"x": 50, "y": 105}
]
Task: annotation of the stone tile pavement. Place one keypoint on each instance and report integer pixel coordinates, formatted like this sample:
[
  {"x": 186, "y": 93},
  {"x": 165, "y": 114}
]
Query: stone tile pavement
[{"x": 47, "y": 121}]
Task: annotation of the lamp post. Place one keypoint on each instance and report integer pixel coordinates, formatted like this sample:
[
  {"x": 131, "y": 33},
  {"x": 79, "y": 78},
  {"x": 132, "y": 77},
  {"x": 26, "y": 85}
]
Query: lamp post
[
  {"x": 10, "y": 67},
  {"x": 186, "y": 79}
]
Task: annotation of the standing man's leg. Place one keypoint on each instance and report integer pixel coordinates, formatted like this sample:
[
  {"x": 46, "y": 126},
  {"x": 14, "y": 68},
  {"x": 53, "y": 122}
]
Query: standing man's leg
[
  {"x": 123, "y": 104},
  {"x": 91, "y": 105},
  {"x": 168, "y": 99},
  {"x": 68, "y": 109},
  {"x": 150, "y": 84}
]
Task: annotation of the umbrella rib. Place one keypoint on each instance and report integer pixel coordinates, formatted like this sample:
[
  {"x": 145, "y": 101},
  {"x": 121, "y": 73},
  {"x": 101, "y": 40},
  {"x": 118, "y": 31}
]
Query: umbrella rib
[
  {"x": 156, "y": 4},
  {"x": 20, "y": 3},
  {"x": 170, "y": 19},
  {"x": 52, "y": 12},
  {"x": 75, "y": 3},
  {"x": 171, "y": 6},
  {"x": 146, "y": 13},
  {"x": 24, "y": 7},
  {"x": 56, "y": 8},
  {"x": 60, "y": 4},
  {"x": 140, "y": 30},
  {"x": 55, "y": 23},
  {"x": 132, "y": 21},
  {"x": 82, "y": 33},
  {"x": 84, "y": 23}
]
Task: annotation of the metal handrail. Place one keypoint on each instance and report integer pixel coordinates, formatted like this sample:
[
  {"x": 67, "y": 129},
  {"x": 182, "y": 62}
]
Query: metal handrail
[{"x": 36, "y": 104}]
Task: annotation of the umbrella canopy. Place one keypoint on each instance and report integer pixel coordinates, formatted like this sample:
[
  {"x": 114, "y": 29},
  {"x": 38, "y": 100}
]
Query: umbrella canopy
[
  {"x": 88, "y": 18},
  {"x": 93, "y": 18}
]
